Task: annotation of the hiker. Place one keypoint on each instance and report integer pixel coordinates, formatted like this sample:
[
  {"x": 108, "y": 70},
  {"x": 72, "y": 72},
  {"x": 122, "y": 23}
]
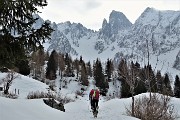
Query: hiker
[
  {"x": 90, "y": 98},
  {"x": 94, "y": 97}
]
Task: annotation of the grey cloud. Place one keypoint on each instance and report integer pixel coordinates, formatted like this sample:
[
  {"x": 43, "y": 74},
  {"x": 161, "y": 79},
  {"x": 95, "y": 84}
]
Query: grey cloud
[{"x": 92, "y": 4}]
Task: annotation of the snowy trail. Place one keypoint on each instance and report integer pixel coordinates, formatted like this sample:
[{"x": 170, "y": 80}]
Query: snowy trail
[
  {"x": 24, "y": 109},
  {"x": 80, "y": 110}
]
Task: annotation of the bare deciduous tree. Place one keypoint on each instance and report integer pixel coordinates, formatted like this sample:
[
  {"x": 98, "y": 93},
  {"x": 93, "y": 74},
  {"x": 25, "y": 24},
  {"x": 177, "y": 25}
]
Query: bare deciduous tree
[
  {"x": 131, "y": 78},
  {"x": 76, "y": 66},
  {"x": 159, "y": 108},
  {"x": 7, "y": 81},
  {"x": 37, "y": 63},
  {"x": 61, "y": 64}
]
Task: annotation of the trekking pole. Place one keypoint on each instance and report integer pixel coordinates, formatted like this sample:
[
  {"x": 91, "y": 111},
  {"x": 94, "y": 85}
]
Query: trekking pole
[{"x": 90, "y": 105}]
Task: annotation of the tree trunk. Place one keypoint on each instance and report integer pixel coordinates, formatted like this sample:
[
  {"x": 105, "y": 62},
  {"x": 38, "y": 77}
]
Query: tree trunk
[
  {"x": 77, "y": 75},
  {"x": 132, "y": 105},
  {"x": 6, "y": 89},
  {"x": 61, "y": 75}
]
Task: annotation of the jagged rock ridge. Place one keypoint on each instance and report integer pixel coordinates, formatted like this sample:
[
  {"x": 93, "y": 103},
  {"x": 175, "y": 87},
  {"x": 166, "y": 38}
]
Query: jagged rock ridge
[{"x": 159, "y": 30}]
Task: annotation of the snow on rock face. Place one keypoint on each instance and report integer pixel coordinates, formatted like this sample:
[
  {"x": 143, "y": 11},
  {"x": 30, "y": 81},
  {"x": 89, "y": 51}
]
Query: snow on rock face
[
  {"x": 161, "y": 29},
  {"x": 177, "y": 62},
  {"x": 118, "y": 21}
]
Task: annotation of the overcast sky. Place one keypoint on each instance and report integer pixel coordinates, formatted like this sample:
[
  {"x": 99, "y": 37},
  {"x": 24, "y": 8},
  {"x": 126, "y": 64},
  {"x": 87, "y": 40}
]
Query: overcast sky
[{"x": 91, "y": 13}]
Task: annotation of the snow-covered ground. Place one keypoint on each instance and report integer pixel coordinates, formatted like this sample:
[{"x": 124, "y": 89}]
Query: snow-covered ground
[{"x": 35, "y": 109}]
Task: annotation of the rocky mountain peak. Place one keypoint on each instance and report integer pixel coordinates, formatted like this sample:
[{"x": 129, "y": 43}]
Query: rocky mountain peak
[
  {"x": 105, "y": 23},
  {"x": 117, "y": 22},
  {"x": 160, "y": 28},
  {"x": 116, "y": 15}
]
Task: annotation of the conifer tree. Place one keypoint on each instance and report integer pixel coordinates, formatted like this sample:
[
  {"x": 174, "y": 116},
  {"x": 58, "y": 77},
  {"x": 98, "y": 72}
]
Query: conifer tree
[
  {"x": 142, "y": 83},
  {"x": 167, "y": 90},
  {"x": 17, "y": 36},
  {"x": 159, "y": 81},
  {"x": 177, "y": 87},
  {"x": 66, "y": 58},
  {"x": 153, "y": 80},
  {"x": 23, "y": 67},
  {"x": 81, "y": 60},
  {"x": 99, "y": 76},
  {"x": 69, "y": 66},
  {"x": 76, "y": 66},
  {"x": 51, "y": 66},
  {"x": 139, "y": 83},
  {"x": 150, "y": 79},
  {"x": 46, "y": 56},
  {"x": 37, "y": 63},
  {"x": 84, "y": 77},
  {"x": 89, "y": 70},
  {"x": 122, "y": 72},
  {"x": 109, "y": 68},
  {"x": 61, "y": 64}
]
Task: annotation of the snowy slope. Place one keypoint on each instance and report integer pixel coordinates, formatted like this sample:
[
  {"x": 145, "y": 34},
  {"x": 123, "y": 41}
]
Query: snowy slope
[
  {"x": 35, "y": 109},
  {"x": 25, "y": 85},
  {"x": 79, "y": 110},
  {"x": 159, "y": 27}
]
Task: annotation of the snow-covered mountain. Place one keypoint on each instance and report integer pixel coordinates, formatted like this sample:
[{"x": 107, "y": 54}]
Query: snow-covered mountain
[
  {"x": 74, "y": 38},
  {"x": 118, "y": 37},
  {"x": 160, "y": 28}
]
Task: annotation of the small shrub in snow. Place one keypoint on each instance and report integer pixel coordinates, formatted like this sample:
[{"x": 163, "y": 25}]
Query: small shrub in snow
[
  {"x": 80, "y": 93},
  {"x": 60, "y": 98},
  {"x": 37, "y": 95},
  {"x": 11, "y": 95},
  {"x": 54, "y": 104},
  {"x": 109, "y": 97},
  {"x": 64, "y": 99},
  {"x": 158, "y": 108}
]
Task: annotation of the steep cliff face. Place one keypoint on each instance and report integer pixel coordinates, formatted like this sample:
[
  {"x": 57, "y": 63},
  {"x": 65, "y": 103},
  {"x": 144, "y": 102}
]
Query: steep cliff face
[
  {"x": 161, "y": 29},
  {"x": 155, "y": 31},
  {"x": 117, "y": 23}
]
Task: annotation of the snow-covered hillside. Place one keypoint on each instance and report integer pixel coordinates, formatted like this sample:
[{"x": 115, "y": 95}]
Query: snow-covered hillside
[
  {"x": 79, "y": 110},
  {"x": 160, "y": 30},
  {"x": 35, "y": 109}
]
